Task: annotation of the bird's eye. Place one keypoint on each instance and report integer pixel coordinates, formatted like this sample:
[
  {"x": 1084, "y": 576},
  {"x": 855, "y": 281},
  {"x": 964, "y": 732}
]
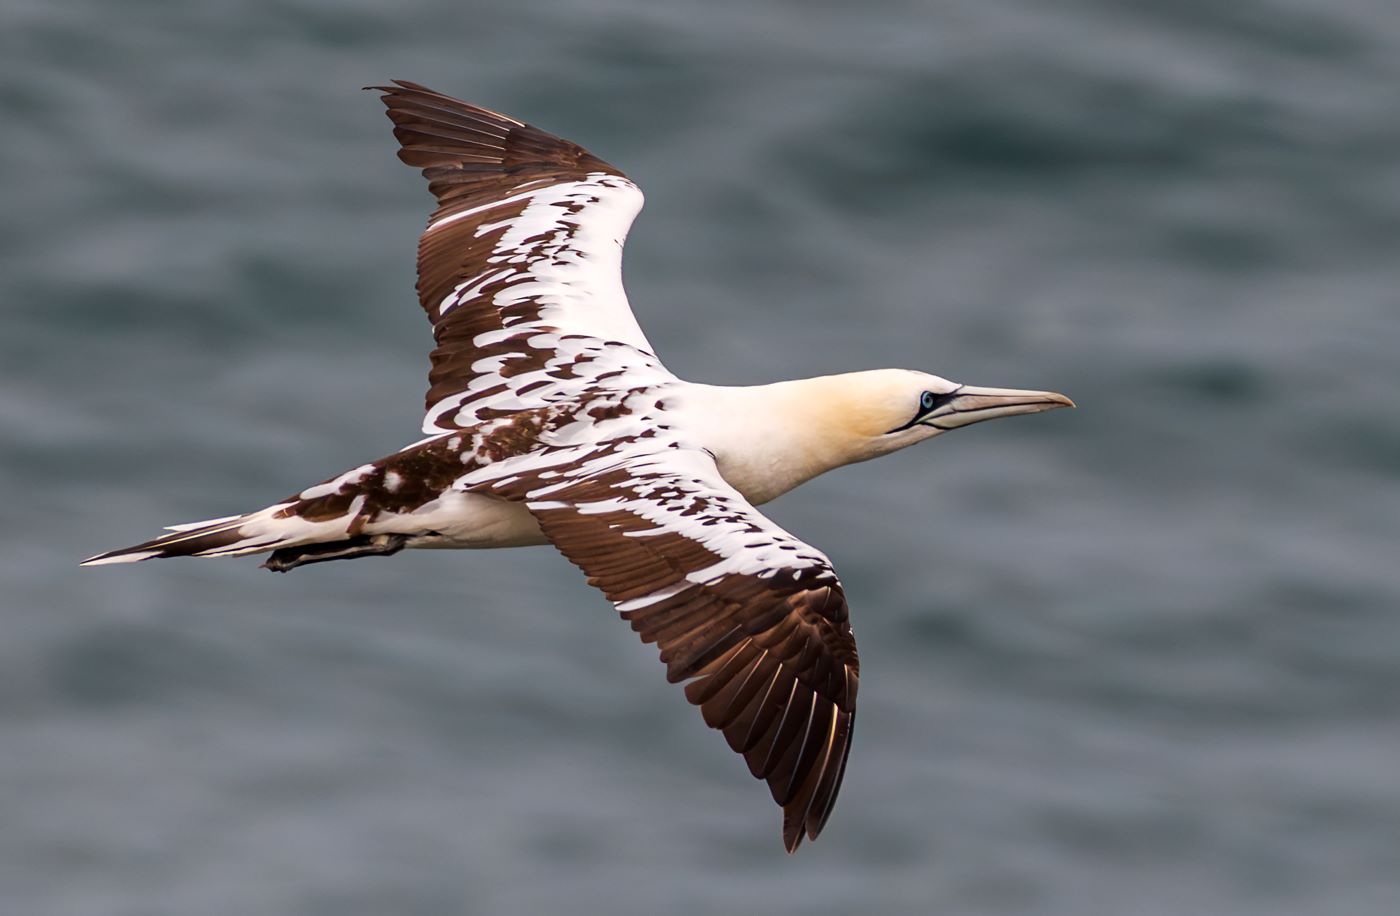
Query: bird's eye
[{"x": 927, "y": 400}]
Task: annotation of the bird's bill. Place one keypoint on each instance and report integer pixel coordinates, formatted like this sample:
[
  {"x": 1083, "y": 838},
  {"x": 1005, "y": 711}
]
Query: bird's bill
[{"x": 970, "y": 405}]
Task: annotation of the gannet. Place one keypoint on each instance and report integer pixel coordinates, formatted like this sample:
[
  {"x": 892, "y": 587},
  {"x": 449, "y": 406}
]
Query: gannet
[{"x": 550, "y": 420}]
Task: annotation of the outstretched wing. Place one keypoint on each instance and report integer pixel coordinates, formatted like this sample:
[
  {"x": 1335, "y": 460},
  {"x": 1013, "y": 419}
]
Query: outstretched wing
[
  {"x": 754, "y": 619},
  {"x": 524, "y": 248}
]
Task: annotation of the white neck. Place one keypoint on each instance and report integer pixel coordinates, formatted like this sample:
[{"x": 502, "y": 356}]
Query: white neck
[{"x": 768, "y": 439}]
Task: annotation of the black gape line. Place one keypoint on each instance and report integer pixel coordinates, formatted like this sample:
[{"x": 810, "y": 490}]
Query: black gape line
[{"x": 928, "y": 403}]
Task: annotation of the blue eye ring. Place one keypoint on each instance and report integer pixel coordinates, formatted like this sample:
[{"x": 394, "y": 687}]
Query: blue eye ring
[{"x": 927, "y": 400}]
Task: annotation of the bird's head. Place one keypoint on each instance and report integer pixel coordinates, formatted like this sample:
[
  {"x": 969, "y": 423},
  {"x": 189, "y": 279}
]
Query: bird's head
[{"x": 889, "y": 409}]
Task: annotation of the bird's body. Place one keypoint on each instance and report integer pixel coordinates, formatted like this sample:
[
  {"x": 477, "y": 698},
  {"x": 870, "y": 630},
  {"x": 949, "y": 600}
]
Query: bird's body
[{"x": 551, "y": 420}]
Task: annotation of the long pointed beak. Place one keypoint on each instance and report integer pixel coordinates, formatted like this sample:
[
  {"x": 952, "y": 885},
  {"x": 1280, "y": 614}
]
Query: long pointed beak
[{"x": 968, "y": 405}]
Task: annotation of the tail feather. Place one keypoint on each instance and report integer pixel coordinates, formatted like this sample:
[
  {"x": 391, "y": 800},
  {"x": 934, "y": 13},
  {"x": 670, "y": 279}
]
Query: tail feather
[
  {"x": 368, "y": 510},
  {"x": 209, "y": 522},
  {"x": 231, "y": 536}
]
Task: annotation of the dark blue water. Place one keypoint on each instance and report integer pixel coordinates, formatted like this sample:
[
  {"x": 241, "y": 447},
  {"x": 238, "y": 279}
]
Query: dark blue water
[{"x": 1138, "y": 658}]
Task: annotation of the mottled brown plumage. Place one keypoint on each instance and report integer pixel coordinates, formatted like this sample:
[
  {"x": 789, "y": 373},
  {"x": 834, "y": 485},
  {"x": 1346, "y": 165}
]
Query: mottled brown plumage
[
  {"x": 481, "y": 161},
  {"x": 771, "y": 660}
]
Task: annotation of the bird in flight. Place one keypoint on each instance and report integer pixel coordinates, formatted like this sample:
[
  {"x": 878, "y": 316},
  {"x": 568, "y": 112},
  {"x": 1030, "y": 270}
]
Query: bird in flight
[{"x": 550, "y": 420}]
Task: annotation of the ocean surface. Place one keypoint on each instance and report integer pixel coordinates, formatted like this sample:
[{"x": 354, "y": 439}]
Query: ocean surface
[{"x": 1137, "y": 659}]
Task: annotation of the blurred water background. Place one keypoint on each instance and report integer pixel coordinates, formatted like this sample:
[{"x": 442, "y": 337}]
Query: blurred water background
[{"x": 1138, "y": 658}]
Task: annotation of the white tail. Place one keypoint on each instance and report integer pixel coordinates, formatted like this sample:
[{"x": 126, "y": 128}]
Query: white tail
[{"x": 233, "y": 535}]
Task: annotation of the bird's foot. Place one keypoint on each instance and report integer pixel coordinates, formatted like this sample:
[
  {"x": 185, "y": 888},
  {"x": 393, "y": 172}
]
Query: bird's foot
[{"x": 364, "y": 545}]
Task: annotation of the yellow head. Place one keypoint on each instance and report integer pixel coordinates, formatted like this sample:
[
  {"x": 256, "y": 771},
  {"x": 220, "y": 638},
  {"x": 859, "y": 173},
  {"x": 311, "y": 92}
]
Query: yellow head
[{"x": 867, "y": 414}]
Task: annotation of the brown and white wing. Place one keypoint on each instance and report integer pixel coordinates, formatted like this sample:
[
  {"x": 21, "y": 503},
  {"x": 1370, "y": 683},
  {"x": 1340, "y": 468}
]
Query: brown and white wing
[
  {"x": 753, "y": 618},
  {"x": 523, "y": 250}
]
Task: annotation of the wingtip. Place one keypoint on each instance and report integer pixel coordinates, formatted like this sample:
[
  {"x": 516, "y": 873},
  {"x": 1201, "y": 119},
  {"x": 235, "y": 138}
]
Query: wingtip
[
  {"x": 399, "y": 86},
  {"x": 794, "y": 831}
]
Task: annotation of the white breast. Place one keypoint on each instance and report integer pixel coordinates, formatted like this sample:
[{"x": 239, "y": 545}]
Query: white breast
[{"x": 763, "y": 441}]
